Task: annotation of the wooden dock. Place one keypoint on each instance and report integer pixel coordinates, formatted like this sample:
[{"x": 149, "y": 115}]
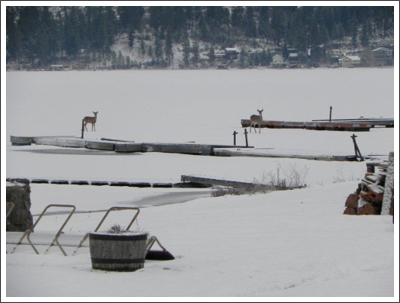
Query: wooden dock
[
  {"x": 229, "y": 183},
  {"x": 120, "y": 146},
  {"x": 281, "y": 154},
  {"x": 374, "y": 122},
  {"x": 186, "y": 184},
  {"x": 314, "y": 125}
]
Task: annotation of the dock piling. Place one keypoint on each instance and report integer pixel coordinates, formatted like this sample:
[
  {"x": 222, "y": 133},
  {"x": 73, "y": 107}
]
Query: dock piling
[
  {"x": 356, "y": 149},
  {"x": 82, "y": 128}
]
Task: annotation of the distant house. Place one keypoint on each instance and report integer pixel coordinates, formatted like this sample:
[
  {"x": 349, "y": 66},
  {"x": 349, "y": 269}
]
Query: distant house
[
  {"x": 56, "y": 67},
  {"x": 293, "y": 58},
  {"x": 231, "y": 53},
  {"x": 278, "y": 61},
  {"x": 335, "y": 53},
  {"x": 382, "y": 54},
  {"x": 349, "y": 61},
  {"x": 384, "y": 42}
]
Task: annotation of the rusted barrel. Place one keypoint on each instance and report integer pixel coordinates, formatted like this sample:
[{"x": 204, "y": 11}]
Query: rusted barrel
[{"x": 118, "y": 252}]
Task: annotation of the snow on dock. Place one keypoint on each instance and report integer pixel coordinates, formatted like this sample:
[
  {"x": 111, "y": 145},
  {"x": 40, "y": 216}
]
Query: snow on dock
[
  {"x": 361, "y": 124},
  {"x": 121, "y": 146}
]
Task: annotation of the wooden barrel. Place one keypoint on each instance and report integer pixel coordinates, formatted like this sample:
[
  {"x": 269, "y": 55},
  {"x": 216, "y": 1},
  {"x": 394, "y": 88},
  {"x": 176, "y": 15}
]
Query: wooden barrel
[{"x": 118, "y": 252}]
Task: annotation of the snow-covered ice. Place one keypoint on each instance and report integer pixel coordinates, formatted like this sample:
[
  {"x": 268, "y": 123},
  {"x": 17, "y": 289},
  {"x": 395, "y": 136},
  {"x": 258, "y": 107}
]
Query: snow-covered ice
[{"x": 294, "y": 244}]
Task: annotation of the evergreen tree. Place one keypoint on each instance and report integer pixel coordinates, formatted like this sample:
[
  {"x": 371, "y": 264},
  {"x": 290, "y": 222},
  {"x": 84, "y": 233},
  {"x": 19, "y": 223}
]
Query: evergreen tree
[
  {"x": 237, "y": 17},
  {"x": 142, "y": 48},
  {"x": 130, "y": 17},
  {"x": 169, "y": 54},
  {"x": 130, "y": 38},
  {"x": 196, "y": 54},
  {"x": 277, "y": 24},
  {"x": 364, "y": 37},
  {"x": 243, "y": 58},
  {"x": 128, "y": 62},
  {"x": 157, "y": 46},
  {"x": 186, "y": 51},
  {"x": 14, "y": 36},
  {"x": 263, "y": 21},
  {"x": 354, "y": 32},
  {"x": 250, "y": 24},
  {"x": 211, "y": 56},
  {"x": 120, "y": 60}
]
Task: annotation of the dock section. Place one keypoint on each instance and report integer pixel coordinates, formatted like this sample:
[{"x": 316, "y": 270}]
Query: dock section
[
  {"x": 313, "y": 125},
  {"x": 120, "y": 146}
]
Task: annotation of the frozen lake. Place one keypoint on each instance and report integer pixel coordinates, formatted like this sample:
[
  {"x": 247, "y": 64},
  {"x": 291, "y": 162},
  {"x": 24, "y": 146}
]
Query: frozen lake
[
  {"x": 204, "y": 106},
  {"x": 293, "y": 243}
]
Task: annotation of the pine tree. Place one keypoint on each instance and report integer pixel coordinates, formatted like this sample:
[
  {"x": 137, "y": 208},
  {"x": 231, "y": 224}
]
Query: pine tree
[
  {"x": 169, "y": 54},
  {"x": 142, "y": 48},
  {"x": 364, "y": 37},
  {"x": 120, "y": 60},
  {"x": 211, "y": 56},
  {"x": 354, "y": 32},
  {"x": 186, "y": 51},
  {"x": 157, "y": 46},
  {"x": 243, "y": 58},
  {"x": 131, "y": 38},
  {"x": 196, "y": 54}
]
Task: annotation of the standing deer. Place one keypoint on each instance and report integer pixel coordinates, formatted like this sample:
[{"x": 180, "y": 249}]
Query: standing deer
[
  {"x": 91, "y": 120},
  {"x": 256, "y": 120}
]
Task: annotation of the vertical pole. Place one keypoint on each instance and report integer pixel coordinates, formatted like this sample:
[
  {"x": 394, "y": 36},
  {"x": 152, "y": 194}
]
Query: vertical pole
[
  {"x": 353, "y": 137},
  {"x": 82, "y": 129},
  {"x": 330, "y": 114},
  {"x": 245, "y": 134},
  {"x": 356, "y": 149},
  {"x": 234, "y": 137}
]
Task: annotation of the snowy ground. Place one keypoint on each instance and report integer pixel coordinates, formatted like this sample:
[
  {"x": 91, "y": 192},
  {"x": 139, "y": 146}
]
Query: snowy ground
[{"x": 294, "y": 244}]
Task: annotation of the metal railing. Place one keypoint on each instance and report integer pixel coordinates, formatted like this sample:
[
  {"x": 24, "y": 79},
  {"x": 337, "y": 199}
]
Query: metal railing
[{"x": 28, "y": 232}]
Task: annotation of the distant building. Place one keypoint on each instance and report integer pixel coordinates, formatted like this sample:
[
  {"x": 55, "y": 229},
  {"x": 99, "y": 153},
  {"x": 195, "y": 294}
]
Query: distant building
[
  {"x": 349, "y": 61},
  {"x": 335, "y": 53},
  {"x": 231, "y": 53},
  {"x": 56, "y": 67},
  {"x": 383, "y": 43},
  {"x": 278, "y": 61},
  {"x": 293, "y": 58},
  {"x": 383, "y": 55}
]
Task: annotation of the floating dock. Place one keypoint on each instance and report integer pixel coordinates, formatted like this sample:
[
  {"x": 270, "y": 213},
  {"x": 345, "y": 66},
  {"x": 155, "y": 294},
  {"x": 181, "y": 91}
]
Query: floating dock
[
  {"x": 123, "y": 146},
  {"x": 374, "y": 122},
  {"x": 354, "y": 125},
  {"x": 283, "y": 154},
  {"x": 119, "y": 146},
  {"x": 186, "y": 184},
  {"x": 229, "y": 183}
]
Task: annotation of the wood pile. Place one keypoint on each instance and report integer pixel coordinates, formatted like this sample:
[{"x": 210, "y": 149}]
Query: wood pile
[{"x": 368, "y": 198}]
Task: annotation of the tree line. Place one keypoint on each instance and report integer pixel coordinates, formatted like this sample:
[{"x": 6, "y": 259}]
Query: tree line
[{"x": 45, "y": 34}]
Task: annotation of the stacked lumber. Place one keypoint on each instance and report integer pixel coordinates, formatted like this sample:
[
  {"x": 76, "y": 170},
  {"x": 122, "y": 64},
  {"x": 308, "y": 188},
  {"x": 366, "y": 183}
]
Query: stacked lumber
[{"x": 368, "y": 198}]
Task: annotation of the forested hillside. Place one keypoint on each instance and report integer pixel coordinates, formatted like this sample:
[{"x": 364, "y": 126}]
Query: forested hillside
[{"x": 187, "y": 37}]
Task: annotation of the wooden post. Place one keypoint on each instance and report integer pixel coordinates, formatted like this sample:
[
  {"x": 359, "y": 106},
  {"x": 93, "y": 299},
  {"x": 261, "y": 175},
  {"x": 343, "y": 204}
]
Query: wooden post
[
  {"x": 356, "y": 149},
  {"x": 330, "y": 114},
  {"x": 234, "y": 137},
  {"x": 245, "y": 135},
  {"x": 83, "y": 129}
]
